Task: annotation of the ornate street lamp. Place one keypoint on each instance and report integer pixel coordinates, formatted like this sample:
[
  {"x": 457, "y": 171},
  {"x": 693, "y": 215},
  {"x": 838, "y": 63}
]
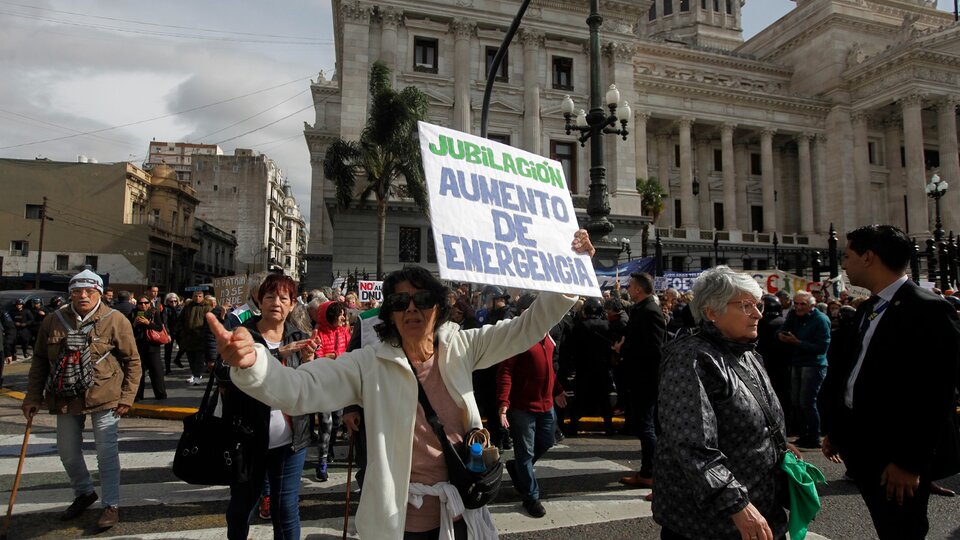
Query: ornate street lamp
[
  {"x": 936, "y": 189},
  {"x": 591, "y": 125},
  {"x": 624, "y": 246},
  {"x": 696, "y": 186}
]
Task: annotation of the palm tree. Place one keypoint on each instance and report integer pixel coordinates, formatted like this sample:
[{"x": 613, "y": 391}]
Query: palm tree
[
  {"x": 387, "y": 151},
  {"x": 651, "y": 203}
]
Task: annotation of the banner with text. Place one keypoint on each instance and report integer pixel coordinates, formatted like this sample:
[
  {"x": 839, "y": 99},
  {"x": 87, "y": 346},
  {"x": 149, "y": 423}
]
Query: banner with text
[
  {"x": 370, "y": 290},
  {"x": 681, "y": 281},
  {"x": 231, "y": 289},
  {"x": 501, "y": 215},
  {"x": 608, "y": 276}
]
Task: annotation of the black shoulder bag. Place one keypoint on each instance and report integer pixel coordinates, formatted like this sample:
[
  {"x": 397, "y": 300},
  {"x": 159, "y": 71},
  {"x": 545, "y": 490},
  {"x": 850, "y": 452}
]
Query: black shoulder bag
[
  {"x": 213, "y": 450},
  {"x": 476, "y": 489}
]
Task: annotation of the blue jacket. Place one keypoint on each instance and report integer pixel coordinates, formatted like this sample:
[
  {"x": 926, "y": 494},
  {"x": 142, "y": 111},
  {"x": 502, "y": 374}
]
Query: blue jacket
[{"x": 813, "y": 331}]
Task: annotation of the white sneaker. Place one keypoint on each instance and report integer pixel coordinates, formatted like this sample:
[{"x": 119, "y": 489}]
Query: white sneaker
[
  {"x": 197, "y": 380},
  {"x": 190, "y": 379}
]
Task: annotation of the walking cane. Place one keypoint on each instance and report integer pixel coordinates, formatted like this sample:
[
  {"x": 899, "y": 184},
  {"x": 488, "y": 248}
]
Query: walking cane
[
  {"x": 16, "y": 479},
  {"x": 346, "y": 510}
]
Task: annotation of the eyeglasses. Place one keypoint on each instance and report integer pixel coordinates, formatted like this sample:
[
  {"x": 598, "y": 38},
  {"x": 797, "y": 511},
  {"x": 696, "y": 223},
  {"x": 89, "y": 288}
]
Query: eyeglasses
[
  {"x": 400, "y": 301},
  {"x": 747, "y": 306},
  {"x": 142, "y": 303}
]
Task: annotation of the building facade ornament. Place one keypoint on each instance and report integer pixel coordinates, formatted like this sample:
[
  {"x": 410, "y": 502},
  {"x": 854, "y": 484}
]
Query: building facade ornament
[
  {"x": 531, "y": 38},
  {"x": 357, "y": 12},
  {"x": 463, "y": 28},
  {"x": 619, "y": 51},
  {"x": 391, "y": 17}
]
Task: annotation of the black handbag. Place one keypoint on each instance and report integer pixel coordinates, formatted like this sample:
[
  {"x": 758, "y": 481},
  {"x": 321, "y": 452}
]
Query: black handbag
[
  {"x": 476, "y": 489},
  {"x": 212, "y": 450}
]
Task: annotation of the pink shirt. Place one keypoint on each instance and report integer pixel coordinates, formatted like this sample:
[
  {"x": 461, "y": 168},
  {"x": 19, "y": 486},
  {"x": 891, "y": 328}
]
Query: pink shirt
[{"x": 428, "y": 466}]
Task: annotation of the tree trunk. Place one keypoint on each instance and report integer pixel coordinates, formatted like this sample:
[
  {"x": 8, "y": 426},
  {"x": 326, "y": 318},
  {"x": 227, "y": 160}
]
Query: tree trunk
[{"x": 381, "y": 234}]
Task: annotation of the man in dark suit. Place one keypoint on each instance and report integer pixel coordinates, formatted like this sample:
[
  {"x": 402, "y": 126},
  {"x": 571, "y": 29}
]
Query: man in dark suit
[
  {"x": 640, "y": 354},
  {"x": 895, "y": 384}
]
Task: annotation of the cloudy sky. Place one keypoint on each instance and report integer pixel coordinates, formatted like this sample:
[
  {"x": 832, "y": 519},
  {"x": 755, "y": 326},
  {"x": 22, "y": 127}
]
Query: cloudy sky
[{"x": 102, "y": 78}]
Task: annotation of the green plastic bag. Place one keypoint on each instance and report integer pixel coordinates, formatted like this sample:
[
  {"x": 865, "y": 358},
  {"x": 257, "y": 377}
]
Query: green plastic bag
[{"x": 802, "y": 480}]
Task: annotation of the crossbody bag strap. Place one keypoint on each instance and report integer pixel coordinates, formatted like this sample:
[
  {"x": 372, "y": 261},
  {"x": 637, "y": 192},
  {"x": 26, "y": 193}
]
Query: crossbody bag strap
[
  {"x": 753, "y": 386},
  {"x": 428, "y": 411},
  {"x": 205, "y": 401}
]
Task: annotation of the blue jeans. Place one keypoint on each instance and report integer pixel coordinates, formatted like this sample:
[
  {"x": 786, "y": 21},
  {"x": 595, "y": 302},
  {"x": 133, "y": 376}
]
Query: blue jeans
[
  {"x": 284, "y": 468},
  {"x": 532, "y": 437},
  {"x": 805, "y": 385},
  {"x": 69, "y": 446}
]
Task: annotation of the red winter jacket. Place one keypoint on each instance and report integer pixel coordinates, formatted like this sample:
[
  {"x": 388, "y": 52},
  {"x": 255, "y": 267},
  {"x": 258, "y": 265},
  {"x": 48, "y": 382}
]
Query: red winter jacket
[
  {"x": 333, "y": 339},
  {"x": 527, "y": 381}
]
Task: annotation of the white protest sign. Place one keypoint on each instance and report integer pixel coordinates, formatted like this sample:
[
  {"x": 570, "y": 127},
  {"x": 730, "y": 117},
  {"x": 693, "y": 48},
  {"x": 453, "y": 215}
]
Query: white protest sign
[
  {"x": 371, "y": 290},
  {"x": 501, "y": 215}
]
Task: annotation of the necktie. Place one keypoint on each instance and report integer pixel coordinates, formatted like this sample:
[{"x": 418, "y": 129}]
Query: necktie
[{"x": 869, "y": 309}]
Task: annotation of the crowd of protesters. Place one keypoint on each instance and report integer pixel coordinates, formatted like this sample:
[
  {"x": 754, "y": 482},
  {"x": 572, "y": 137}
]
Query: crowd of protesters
[{"x": 606, "y": 356}]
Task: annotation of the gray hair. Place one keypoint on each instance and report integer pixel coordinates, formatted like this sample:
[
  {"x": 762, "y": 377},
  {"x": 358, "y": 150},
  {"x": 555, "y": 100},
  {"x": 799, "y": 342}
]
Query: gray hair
[
  {"x": 717, "y": 286},
  {"x": 299, "y": 318},
  {"x": 805, "y": 295},
  {"x": 314, "y": 305},
  {"x": 171, "y": 296}
]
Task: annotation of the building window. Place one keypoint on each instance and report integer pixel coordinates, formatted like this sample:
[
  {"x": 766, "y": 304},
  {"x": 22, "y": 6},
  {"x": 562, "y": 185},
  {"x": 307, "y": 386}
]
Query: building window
[
  {"x": 566, "y": 154},
  {"x": 718, "y": 216},
  {"x": 652, "y": 15},
  {"x": 875, "y": 153},
  {"x": 500, "y": 138},
  {"x": 716, "y": 5},
  {"x": 19, "y": 248},
  {"x": 425, "y": 54},
  {"x": 562, "y": 73},
  {"x": 677, "y": 217},
  {"x": 684, "y": 5},
  {"x": 718, "y": 160},
  {"x": 756, "y": 218},
  {"x": 63, "y": 263},
  {"x": 33, "y": 211},
  {"x": 501, "y": 76},
  {"x": 409, "y": 245},
  {"x": 729, "y": 7},
  {"x": 431, "y": 247},
  {"x": 216, "y": 187},
  {"x": 756, "y": 165},
  {"x": 676, "y": 155},
  {"x": 667, "y": 7},
  {"x": 703, "y": 4},
  {"x": 91, "y": 261}
]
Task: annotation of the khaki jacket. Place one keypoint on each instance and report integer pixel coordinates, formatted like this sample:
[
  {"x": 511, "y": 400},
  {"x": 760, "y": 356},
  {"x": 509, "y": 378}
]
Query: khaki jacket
[{"x": 116, "y": 376}]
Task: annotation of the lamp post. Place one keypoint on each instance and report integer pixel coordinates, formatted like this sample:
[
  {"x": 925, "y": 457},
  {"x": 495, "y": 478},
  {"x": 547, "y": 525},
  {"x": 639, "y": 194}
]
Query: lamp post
[
  {"x": 935, "y": 189},
  {"x": 716, "y": 248},
  {"x": 624, "y": 246},
  {"x": 592, "y": 125},
  {"x": 658, "y": 254},
  {"x": 776, "y": 253}
]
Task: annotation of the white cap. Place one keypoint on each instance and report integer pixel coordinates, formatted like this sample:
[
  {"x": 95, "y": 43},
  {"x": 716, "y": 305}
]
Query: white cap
[{"x": 86, "y": 280}]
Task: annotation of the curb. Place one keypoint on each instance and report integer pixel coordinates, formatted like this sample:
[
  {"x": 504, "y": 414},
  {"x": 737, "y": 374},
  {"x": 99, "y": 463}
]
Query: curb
[{"x": 158, "y": 412}]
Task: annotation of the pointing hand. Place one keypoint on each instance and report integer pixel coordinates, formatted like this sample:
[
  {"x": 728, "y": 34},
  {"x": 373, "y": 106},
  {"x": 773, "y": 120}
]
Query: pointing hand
[{"x": 235, "y": 347}]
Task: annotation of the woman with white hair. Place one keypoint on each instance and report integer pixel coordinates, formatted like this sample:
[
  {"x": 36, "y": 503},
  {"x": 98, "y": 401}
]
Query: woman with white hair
[{"x": 722, "y": 433}]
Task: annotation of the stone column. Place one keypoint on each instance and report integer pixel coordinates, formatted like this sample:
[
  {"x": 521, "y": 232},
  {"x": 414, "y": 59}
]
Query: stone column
[
  {"x": 861, "y": 167},
  {"x": 767, "y": 184},
  {"x": 820, "y": 219},
  {"x": 622, "y": 165},
  {"x": 704, "y": 168},
  {"x": 390, "y": 19},
  {"x": 949, "y": 163},
  {"x": 640, "y": 144},
  {"x": 806, "y": 184},
  {"x": 896, "y": 188},
  {"x": 532, "y": 42},
  {"x": 463, "y": 31},
  {"x": 688, "y": 203},
  {"x": 917, "y": 221},
  {"x": 741, "y": 158},
  {"x": 354, "y": 71},
  {"x": 729, "y": 177},
  {"x": 664, "y": 166}
]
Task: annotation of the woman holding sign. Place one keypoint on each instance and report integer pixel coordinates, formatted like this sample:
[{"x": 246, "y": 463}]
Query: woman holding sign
[{"x": 405, "y": 466}]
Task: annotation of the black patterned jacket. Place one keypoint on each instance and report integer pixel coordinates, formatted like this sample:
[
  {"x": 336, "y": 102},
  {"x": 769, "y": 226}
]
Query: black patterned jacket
[{"x": 714, "y": 454}]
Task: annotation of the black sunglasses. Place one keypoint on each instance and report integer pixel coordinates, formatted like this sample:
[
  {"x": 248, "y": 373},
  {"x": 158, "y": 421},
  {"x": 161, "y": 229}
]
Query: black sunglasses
[
  {"x": 143, "y": 302},
  {"x": 400, "y": 301}
]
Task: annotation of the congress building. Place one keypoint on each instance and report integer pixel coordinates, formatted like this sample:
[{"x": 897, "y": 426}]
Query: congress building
[{"x": 839, "y": 112}]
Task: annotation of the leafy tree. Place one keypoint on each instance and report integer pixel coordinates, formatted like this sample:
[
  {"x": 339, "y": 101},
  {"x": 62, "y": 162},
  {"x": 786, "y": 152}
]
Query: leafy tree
[
  {"x": 651, "y": 204},
  {"x": 388, "y": 150}
]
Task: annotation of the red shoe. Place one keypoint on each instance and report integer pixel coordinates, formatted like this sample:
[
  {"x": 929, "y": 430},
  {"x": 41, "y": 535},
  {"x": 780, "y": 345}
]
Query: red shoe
[{"x": 265, "y": 507}]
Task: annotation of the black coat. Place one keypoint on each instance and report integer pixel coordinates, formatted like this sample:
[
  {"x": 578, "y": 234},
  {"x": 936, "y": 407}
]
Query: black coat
[
  {"x": 642, "y": 350},
  {"x": 904, "y": 393}
]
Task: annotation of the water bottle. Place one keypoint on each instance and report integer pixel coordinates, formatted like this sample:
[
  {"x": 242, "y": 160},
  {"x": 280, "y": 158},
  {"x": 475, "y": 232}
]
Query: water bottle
[{"x": 475, "y": 463}]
